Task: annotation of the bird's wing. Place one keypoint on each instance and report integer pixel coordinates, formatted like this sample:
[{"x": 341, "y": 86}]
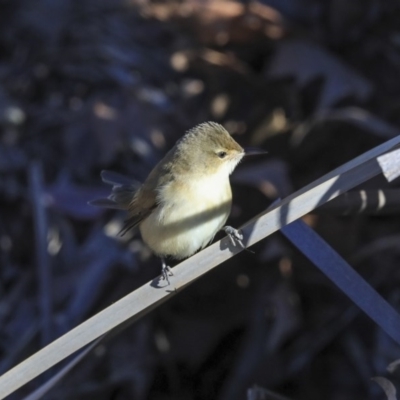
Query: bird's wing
[
  {"x": 142, "y": 205},
  {"x": 145, "y": 200}
]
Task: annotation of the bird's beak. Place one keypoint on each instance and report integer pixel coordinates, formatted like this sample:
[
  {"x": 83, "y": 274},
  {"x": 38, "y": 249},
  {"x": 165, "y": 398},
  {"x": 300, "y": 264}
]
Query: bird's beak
[{"x": 253, "y": 151}]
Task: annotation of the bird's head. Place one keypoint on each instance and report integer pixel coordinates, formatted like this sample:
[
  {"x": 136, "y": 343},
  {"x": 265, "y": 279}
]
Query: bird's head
[{"x": 209, "y": 148}]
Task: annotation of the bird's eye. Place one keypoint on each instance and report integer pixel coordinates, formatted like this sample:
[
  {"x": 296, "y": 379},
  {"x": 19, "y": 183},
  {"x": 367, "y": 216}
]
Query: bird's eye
[{"x": 221, "y": 154}]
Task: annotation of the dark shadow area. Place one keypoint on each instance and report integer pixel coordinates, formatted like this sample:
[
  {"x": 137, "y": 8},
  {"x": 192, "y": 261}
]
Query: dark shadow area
[{"x": 103, "y": 84}]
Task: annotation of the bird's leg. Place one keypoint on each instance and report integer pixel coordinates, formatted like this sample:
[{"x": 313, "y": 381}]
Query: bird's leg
[
  {"x": 165, "y": 270},
  {"x": 234, "y": 235}
]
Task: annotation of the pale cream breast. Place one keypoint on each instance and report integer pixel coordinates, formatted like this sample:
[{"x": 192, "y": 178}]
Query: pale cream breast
[{"x": 199, "y": 209}]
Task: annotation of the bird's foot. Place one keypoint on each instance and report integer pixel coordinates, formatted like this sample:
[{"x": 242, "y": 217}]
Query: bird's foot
[
  {"x": 235, "y": 236},
  {"x": 166, "y": 271}
]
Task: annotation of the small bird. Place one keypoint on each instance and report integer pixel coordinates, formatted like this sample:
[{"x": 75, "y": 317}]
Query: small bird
[{"x": 187, "y": 197}]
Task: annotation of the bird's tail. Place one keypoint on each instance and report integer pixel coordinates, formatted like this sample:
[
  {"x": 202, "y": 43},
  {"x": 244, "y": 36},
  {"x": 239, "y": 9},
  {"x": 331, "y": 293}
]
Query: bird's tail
[{"x": 122, "y": 192}]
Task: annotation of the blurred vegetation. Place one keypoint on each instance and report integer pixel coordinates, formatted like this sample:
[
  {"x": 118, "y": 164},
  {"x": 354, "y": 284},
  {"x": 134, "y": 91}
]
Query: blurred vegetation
[{"x": 101, "y": 84}]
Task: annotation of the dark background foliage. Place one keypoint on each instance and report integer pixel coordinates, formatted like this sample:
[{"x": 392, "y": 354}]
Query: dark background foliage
[{"x": 101, "y": 84}]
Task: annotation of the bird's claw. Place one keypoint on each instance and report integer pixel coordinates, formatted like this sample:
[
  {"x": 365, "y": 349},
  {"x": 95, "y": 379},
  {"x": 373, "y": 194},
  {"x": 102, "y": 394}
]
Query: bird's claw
[
  {"x": 235, "y": 236},
  {"x": 166, "y": 271}
]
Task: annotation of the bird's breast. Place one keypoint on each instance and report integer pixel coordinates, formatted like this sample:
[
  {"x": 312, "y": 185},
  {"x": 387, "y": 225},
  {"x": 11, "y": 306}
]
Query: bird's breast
[{"x": 188, "y": 216}]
